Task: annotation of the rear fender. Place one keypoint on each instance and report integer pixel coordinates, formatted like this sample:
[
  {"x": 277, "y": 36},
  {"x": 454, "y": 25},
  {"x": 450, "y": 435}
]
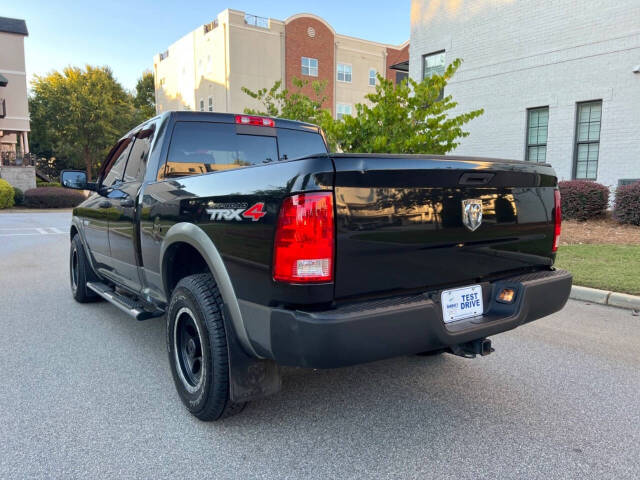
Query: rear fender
[{"x": 250, "y": 376}]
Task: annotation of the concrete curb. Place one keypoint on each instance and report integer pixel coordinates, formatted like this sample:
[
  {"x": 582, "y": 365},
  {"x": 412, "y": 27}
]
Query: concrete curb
[{"x": 603, "y": 297}]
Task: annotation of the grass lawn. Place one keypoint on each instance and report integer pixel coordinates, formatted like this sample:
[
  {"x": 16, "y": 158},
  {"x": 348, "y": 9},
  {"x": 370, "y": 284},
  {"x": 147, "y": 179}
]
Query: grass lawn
[{"x": 608, "y": 267}]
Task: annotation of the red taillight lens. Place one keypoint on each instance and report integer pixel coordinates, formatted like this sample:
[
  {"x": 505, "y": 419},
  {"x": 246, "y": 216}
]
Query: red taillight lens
[
  {"x": 255, "y": 121},
  {"x": 303, "y": 248},
  {"x": 557, "y": 212}
]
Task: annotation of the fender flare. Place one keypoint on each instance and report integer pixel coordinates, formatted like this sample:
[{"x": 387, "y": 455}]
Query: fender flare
[{"x": 196, "y": 237}]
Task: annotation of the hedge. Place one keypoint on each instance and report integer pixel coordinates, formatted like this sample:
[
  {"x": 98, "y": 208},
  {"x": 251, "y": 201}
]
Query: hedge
[
  {"x": 627, "y": 204},
  {"x": 52, "y": 197},
  {"x": 18, "y": 196},
  {"x": 6, "y": 194},
  {"x": 582, "y": 199},
  {"x": 41, "y": 184}
]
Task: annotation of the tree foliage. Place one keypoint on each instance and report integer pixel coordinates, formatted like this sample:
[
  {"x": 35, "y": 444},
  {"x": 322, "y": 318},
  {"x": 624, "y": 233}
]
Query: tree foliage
[
  {"x": 409, "y": 117},
  {"x": 145, "y": 97},
  {"x": 278, "y": 101},
  {"x": 78, "y": 114}
]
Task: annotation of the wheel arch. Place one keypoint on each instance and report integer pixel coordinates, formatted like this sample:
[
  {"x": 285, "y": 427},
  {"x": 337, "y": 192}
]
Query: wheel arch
[{"x": 190, "y": 236}]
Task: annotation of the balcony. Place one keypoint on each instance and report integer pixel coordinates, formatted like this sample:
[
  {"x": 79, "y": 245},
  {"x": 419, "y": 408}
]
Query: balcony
[
  {"x": 16, "y": 159},
  {"x": 255, "y": 21},
  {"x": 207, "y": 27}
]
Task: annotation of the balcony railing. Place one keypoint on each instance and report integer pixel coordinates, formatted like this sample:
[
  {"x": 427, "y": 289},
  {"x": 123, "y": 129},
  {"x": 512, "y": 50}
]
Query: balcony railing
[
  {"x": 255, "y": 21},
  {"x": 164, "y": 55},
  {"x": 13, "y": 159},
  {"x": 210, "y": 26}
]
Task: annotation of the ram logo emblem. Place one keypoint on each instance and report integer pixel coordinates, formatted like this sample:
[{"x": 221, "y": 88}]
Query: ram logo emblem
[{"x": 472, "y": 213}]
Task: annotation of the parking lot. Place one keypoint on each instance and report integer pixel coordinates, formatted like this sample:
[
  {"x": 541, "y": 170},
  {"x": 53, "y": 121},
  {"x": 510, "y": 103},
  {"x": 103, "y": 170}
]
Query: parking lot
[{"x": 86, "y": 392}]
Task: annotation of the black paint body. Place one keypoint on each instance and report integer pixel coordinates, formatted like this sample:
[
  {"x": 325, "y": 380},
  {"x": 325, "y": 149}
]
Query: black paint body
[{"x": 399, "y": 228}]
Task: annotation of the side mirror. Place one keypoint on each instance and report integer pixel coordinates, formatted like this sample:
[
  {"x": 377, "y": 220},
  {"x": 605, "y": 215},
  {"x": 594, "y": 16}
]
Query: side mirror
[{"x": 76, "y": 179}]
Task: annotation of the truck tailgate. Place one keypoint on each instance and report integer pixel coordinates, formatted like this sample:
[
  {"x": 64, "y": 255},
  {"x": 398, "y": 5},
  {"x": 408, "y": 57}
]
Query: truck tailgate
[{"x": 400, "y": 221}]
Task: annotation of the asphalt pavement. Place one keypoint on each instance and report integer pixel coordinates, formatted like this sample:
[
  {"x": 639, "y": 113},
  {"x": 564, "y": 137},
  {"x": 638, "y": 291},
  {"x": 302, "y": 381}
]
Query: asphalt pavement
[{"x": 85, "y": 391}]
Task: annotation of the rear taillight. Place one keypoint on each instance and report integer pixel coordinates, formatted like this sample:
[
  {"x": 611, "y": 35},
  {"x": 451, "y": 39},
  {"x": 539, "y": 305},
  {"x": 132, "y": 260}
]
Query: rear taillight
[
  {"x": 255, "y": 121},
  {"x": 557, "y": 214},
  {"x": 303, "y": 248}
]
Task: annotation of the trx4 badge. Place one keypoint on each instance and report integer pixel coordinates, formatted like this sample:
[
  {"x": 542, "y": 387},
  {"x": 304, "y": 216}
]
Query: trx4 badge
[{"x": 236, "y": 211}]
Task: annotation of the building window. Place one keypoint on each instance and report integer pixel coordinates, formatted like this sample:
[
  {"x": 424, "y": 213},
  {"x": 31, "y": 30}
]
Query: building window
[
  {"x": 201, "y": 105},
  {"x": 310, "y": 66},
  {"x": 537, "y": 127},
  {"x": 211, "y": 104},
  {"x": 342, "y": 110},
  {"x": 433, "y": 64},
  {"x": 588, "y": 139},
  {"x": 344, "y": 72},
  {"x": 372, "y": 77}
]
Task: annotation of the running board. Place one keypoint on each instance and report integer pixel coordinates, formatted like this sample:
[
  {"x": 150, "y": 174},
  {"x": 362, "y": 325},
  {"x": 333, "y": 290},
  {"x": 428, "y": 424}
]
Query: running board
[{"x": 129, "y": 306}]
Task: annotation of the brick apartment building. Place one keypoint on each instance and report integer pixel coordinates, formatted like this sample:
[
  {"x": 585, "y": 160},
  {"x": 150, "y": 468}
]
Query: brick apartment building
[
  {"x": 559, "y": 80},
  {"x": 207, "y": 68}
]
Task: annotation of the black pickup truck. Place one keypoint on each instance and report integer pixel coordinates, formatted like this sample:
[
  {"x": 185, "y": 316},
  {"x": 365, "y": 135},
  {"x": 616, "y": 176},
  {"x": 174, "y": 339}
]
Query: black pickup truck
[{"x": 264, "y": 249}]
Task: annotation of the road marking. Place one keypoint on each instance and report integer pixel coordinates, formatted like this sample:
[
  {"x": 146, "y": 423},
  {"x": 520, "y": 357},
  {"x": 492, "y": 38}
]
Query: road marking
[{"x": 29, "y": 231}]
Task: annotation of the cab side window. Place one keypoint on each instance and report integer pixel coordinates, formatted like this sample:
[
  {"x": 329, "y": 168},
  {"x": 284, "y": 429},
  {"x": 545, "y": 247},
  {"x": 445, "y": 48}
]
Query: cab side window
[
  {"x": 137, "y": 164},
  {"x": 115, "y": 168}
]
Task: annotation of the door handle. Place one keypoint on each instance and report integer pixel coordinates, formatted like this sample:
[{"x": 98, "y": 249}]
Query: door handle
[
  {"x": 127, "y": 202},
  {"x": 104, "y": 204}
]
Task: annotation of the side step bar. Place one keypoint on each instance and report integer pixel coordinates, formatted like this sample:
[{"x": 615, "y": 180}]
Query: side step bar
[{"x": 129, "y": 306}]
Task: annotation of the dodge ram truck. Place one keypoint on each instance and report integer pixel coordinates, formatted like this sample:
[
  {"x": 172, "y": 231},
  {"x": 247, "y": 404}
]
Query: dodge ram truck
[{"x": 263, "y": 249}]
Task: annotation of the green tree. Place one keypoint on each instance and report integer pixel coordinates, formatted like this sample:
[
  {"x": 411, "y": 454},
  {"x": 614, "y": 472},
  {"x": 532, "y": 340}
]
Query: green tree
[
  {"x": 278, "y": 101},
  {"x": 79, "y": 114},
  {"x": 145, "y": 97},
  {"x": 409, "y": 117}
]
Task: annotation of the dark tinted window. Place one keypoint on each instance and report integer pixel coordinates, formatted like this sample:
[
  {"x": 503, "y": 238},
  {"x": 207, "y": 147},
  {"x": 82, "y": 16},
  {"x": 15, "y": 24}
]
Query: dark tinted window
[
  {"x": 117, "y": 162},
  {"x": 297, "y": 144},
  {"x": 199, "y": 147},
  {"x": 137, "y": 164}
]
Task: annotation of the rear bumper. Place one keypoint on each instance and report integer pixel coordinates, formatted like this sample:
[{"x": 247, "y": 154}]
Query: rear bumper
[{"x": 373, "y": 330}]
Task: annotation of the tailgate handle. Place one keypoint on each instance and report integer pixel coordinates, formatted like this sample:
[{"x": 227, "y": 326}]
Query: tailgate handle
[{"x": 475, "y": 178}]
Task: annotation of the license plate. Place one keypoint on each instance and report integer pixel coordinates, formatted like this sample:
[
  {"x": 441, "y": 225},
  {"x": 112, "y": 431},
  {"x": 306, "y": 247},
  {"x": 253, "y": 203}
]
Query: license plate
[{"x": 461, "y": 303}]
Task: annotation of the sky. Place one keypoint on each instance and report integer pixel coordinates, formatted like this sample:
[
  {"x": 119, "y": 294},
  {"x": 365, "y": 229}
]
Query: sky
[{"x": 126, "y": 34}]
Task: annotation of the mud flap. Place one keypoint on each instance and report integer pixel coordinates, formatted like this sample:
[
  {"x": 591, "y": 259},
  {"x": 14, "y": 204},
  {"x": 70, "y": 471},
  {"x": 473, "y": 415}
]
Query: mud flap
[{"x": 250, "y": 378}]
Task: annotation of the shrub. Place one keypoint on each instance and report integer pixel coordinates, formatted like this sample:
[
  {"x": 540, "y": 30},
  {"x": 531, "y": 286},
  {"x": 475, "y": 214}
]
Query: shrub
[
  {"x": 6, "y": 194},
  {"x": 40, "y": 183},
  {"x": 582, "y": 200},
  {"x": 627, "y": 204},
  {"x": 52, "y": 197},
  {"x": 18, "y": 196}
]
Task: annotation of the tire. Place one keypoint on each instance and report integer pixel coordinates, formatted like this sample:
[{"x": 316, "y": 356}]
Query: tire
[
  {"x": 80, "y": 273},
  {"x": 197, "y": 345}
]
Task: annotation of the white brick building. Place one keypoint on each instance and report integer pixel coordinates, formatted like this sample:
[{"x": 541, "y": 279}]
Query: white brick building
[{"x": 555, "y": 77}]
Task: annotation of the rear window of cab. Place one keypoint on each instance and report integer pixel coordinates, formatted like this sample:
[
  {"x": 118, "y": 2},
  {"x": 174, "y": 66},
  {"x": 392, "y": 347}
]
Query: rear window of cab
[{"x": 202, "y": 147}]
